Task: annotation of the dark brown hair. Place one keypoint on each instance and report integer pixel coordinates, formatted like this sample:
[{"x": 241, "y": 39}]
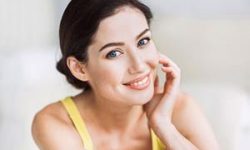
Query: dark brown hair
[{"x": 79, "y": 23}]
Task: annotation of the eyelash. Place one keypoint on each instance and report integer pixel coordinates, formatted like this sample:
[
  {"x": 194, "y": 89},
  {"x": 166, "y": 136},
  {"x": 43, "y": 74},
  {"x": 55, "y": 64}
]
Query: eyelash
[
  {"x": 108, "y": 56},
  {"x": 146, "y": 38}
]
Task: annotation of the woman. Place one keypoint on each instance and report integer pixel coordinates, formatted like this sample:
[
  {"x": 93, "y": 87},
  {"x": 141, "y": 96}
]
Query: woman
[{"x": 108, "y": 51}]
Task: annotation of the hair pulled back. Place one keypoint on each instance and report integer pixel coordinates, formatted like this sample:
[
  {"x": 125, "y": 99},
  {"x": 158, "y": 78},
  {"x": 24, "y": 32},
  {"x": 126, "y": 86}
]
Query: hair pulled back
[{"x": 79, "y": 23}]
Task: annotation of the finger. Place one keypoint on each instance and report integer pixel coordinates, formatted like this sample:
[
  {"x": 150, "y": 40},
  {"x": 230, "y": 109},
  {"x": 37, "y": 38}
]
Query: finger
[
  {"x": 172, "y": 79},
  {"x": 171, "y": 72},
  {"x": 167, "y": 61},
  {"x": 157, "y": 88},
  {"x": 156, "y": 84}
]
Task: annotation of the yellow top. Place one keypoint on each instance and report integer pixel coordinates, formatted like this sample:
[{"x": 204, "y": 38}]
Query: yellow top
[{"x": 76, "y": 118}]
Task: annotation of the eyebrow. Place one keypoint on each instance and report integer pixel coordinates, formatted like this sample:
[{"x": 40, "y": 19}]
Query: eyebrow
[{"x": 121, "y": 43}]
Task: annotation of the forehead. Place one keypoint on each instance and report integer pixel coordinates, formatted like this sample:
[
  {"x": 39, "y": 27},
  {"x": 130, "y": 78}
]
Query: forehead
[{"x": 126, "y": 23}]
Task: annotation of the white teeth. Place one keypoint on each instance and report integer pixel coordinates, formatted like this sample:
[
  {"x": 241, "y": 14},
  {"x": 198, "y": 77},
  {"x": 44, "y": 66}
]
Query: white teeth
[{"x": 140, "y": 82}]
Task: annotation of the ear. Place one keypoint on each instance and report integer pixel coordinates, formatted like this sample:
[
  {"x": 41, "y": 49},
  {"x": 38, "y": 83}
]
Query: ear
[{"x": 77, "y": 68}]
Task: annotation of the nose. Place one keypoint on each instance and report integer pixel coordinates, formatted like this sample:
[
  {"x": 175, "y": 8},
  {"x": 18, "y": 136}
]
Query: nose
[{"x": 136, "y": 64}]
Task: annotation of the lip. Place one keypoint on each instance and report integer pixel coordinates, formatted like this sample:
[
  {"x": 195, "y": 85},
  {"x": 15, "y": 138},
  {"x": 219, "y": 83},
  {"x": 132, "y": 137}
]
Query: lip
[
  {"x": 137, "y": 79},
  {"x": 136, "y": 86}
]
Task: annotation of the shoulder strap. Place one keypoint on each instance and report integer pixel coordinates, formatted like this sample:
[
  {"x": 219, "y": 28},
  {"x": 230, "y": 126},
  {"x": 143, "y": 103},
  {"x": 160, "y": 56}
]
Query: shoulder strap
[
  {"x": 156, "y": 142},
  {"x": 78, "y": 122}
]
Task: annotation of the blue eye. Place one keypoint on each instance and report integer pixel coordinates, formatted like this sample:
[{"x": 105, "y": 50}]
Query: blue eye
[
  {"x": 113, "y": 54},
  {"x": 143, "y": 41}
]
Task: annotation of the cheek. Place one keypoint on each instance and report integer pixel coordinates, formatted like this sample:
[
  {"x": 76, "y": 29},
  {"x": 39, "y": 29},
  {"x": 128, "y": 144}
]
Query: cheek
[
  {"x": 106, "y": 75},
  {"x": 152, "y": 57},
  {"x": 107, "y": 80}
]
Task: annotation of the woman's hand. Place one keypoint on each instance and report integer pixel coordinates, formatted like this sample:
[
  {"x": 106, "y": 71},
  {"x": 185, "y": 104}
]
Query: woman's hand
[{"x": 160, "y": 108}]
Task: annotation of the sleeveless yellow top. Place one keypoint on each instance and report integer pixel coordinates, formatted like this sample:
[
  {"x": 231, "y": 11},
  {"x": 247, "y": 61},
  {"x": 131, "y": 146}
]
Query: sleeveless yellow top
[{"x": 81, "y": 128}]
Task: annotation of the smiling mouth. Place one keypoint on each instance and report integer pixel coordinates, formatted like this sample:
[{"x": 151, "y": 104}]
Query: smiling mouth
[{"x": 139, "y": 84}]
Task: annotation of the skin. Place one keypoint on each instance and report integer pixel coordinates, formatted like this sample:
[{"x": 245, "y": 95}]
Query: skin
[{"x": 118, "y": 117}]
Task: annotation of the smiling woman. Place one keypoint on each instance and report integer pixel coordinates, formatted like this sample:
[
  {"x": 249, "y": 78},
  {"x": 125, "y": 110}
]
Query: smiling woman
[{"x": 108, "y": 52}]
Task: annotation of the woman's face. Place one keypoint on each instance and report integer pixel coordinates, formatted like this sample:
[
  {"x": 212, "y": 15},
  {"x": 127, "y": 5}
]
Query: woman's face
[{"x": 123, "y": 59}]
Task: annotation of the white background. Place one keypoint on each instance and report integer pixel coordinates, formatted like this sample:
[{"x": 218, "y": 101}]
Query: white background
[{"x": 209, "y": 40}]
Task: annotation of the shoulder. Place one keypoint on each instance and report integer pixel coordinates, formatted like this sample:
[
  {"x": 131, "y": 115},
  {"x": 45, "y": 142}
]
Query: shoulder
[
  {"x": 185, "y": 107},
  {"x": 189, "y": 119},
  {"x": 185, "y": 111},
  {"x": 183, "y": 99},
  {"x": 51, "y": 126}
]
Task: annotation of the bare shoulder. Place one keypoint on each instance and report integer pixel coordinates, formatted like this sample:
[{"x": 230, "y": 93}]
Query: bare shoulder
[
  {"x": 183, "y": 99},
  {"x": 189, "y": 119},
  {"x": 184, "y": 109},
  {"x": 52, "y": 129}
]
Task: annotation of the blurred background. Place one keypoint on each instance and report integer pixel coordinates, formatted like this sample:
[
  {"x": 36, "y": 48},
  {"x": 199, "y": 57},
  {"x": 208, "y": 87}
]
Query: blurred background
[{"x": 209, "y": 40}]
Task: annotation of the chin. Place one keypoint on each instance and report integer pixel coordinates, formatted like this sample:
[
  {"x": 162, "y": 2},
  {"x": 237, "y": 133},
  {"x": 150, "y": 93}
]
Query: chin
[{"x": 140, "y": 97}]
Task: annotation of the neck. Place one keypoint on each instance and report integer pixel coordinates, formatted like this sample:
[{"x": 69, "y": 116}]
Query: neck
[{"x": 115, "y": 116}]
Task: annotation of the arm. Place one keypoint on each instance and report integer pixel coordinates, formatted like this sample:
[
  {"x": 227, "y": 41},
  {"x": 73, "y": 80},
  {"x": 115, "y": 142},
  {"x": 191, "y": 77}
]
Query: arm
[
  {"x": 174, "y": 117},
  {"x": 192, "y": 124},
  {"x": 170, "y": 135},
  {"x": 188, "y": 128}
]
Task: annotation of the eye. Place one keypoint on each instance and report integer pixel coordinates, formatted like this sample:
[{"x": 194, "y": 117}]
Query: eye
[
  {"x": 143, "y": 41},
  {"x": 113, "y": 54}
]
